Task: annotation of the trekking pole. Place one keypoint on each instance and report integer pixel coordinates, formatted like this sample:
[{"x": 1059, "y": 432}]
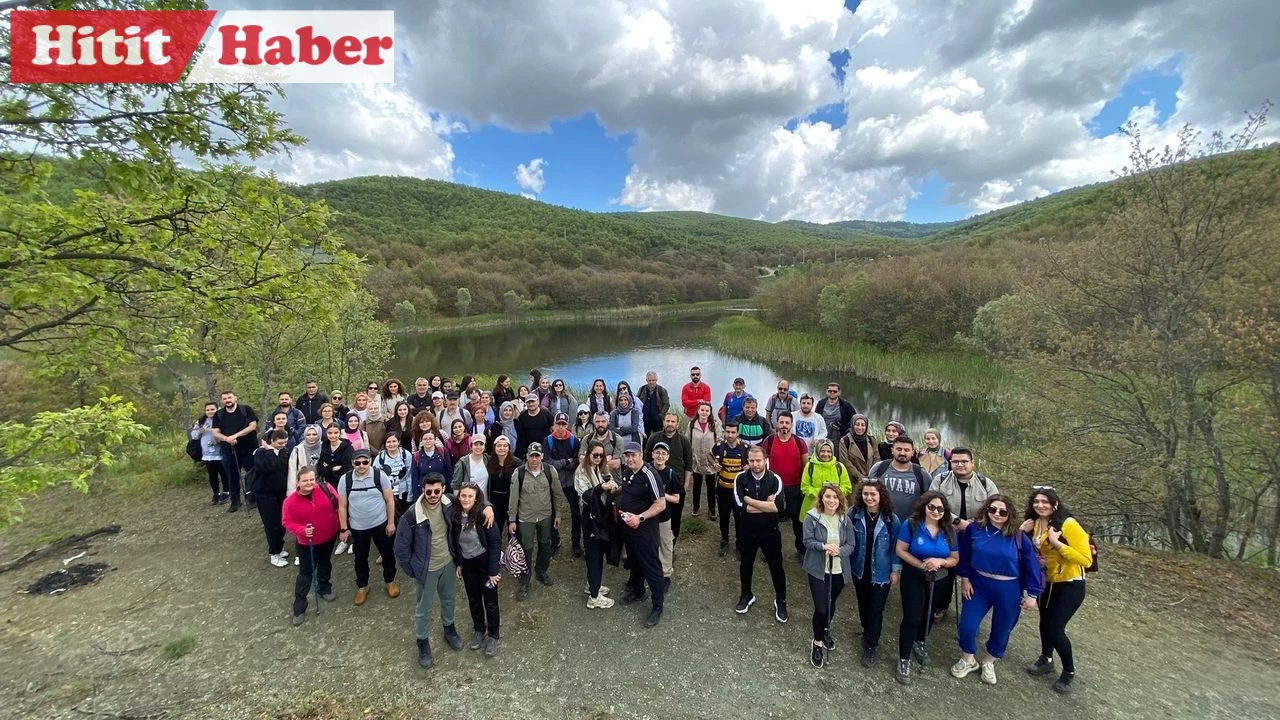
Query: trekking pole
[
  {"x": 928, "y": 615},
  {"x": 315, "y": 584},
  {"x": 826, "y": 633}
]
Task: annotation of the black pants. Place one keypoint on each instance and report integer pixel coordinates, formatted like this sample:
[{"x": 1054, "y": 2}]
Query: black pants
[
  {"x": 942, "y": 592},
  {"x": 575, "y": 514},
  {"x": 759, "y": 532},
  {"x": 501, "y": 501},
  {"x": 360, "y": 540},
  {"x": 594, "y": 549},
  {"x": 676, "y": 510},
  {"x": 791, "y": 509},
  {"x": 483, "y": 601},
  {"x": 729, "y": 510},
  {"x": 216, "y": 477},
  {"x": 818, "y": 589},
  {"x": 269, "y": 505},
  {"x": 643, "y": 562},
  {"x": 1057, "y": 606},
  {"x": 871, "y": 602},
  {"x": 698, "y": 480},
  {"x": 233, "y": 464},
  {"x": 322, "y": 553},
  {"x": 916, "y": 613}
]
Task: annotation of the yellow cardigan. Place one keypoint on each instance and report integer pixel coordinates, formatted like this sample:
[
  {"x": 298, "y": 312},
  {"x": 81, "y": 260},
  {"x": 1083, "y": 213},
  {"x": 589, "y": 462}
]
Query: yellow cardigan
[{"x": 1069, "y": 562}]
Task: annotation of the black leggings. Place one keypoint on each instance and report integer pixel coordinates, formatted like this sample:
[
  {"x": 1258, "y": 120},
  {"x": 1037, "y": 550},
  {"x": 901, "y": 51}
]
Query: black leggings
[
  {"x": 1057, "y": 606},
  {"x": 216, "y": 476},
  {"x": 871, "y": 601},
  {"x": 698, "y": 480},
  {"x": 269, "y": 508},
  {"x": 916, "y": 613},
  {"x": 818, "y": 589},
  {"x": 481, "y": 600}
]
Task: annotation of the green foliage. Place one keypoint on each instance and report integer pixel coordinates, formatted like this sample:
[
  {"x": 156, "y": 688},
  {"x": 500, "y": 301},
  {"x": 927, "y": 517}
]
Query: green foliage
[
  {"x": 404, "y": 313},
  {"x": 179, "y": 646},
  {"x": 463, "y": 302}
]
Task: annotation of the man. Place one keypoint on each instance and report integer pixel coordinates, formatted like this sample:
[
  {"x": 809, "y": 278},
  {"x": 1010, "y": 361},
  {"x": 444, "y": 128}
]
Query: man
[
  {"x": 966, "y": 490},
  {"x": 424, "y": 542},
  {"x": 653, "y": 400},
  {"x": 235, "y": 426},
  {"x": 534, "y": 513},
  {"x": 695, "y": 391},
  {"x": 783, "y": 400},
  {"x": 420, "y": 399},
  {"x": 640, "y": 500},
  {"x": 366, "y": 515},
  {"x": 532, "y": 425},
  {"x": 756, "y": 491},
  {"x": 753, "y": 427},
  {"x": 310, "y": 402},
  {"x": 905, "y": 480},
  {"x": 297, "y": 421},
  {"x": 729, "y": 458},
  {"x": 809, "y": 425},
  {"x": 611, "y": 441},
  {"x": 561, "y": 448},
  {"x": 679, "y": 448},
  {"x": 311, "y": 515},
  {"x": 452, "y": 412},
  {"x": 786, "y": 455},
  {"x": 836, "y": 411},
  {"x": 733, "y": 401}
]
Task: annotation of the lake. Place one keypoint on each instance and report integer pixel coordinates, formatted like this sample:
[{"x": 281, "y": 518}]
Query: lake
[{"x": 579, "y": 352}]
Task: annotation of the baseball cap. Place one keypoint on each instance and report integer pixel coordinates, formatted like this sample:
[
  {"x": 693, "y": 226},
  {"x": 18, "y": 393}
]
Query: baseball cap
[
  {"x": 437, "y": 394},
  {"x": 534, "y": 449},
  {"x": 662, "y": 446},
  {"x": 562, "y": 418},
  {"x": 478, "y": 438},
  {"x": 631, "y": 447},
  {"x": 362, "y": 453},
  {"x": 584, "y": 408},
  {"x": 531, "y": 398},
  {"x": 739, "y": 381}
]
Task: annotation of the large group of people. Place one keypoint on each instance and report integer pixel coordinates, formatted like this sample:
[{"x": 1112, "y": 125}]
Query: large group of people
[{"x": 456, "y": 483}]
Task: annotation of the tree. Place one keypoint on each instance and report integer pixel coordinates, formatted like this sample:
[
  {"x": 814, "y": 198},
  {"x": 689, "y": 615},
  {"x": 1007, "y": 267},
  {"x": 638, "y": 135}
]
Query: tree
[
  {"x": 463, "y": 302},
  {"x": 404, "y": 313}
]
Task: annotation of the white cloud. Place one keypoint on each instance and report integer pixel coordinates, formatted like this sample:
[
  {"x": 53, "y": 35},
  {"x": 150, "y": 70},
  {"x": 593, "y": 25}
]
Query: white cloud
[{"x": 530, "y": 178}]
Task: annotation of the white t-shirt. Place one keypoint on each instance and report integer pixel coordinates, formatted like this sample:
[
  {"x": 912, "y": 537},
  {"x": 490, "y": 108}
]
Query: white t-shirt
[{"x": 479, "y": 473}]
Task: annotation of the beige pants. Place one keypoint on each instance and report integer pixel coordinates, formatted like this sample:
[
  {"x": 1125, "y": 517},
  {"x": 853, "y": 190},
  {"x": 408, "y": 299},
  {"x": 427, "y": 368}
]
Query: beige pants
[{"x": 666, "y": 547}]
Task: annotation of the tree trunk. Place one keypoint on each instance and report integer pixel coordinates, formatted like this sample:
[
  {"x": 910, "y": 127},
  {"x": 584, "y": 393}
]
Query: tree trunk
[
  {"x": 1273, "y": 532},
  {"x": 1222, "y": 488},
  {"x": 266, "y": 380}
]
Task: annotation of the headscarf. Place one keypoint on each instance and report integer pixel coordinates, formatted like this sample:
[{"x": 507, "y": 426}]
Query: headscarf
[
  {"x": 509, "y": 425},
  {"x": 312, "y": 451},
  {"x": 862, "y": 441}
]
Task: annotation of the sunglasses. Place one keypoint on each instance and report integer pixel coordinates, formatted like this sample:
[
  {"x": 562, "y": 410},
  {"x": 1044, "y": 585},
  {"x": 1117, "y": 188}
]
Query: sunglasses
[
  {"x": 935, "y": 508},
  {"x": 336, "y": 397},
  {"x": 596, "y": 456},
  {"x": 359, "y": 463},
  {"x": 1039, "y": 487},
  {"x": 433, "y": 493},
  {"x": 998, "y": 512},
  {"x": 372, "y": 387}
]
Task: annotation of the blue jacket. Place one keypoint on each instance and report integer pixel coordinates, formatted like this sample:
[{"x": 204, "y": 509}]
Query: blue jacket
[
  {"x": 884, "y": 558},
  {"x": 413, "y": 539},
  {"x": 424, "y": 465},
  {"x": 815, "y": 537},
  {"x": 986, "y": 550}
]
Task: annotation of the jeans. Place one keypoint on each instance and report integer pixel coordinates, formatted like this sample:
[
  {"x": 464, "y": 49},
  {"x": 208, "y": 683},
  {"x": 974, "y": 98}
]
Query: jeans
[
  {"x": 269, "y": 505},
  {"x": 540, "y": 532},
  {"x": 442, "y": 582},
  {"x": 728, "y": 511},
  {"x": 760, "y": 533},
  {"x": 1058, "y": 604},
  {"x": 322, "y": 553},
  {"x": 698, "y": 480},
  {"x": 818, "y": 589},
  {"x": 360, "y": 540},
  {"x": 916, "y": 614},
  {"x": 481, "y": 600},
  {"x": 871, "y": 602},
  {"x": 1002, "y": 599}
]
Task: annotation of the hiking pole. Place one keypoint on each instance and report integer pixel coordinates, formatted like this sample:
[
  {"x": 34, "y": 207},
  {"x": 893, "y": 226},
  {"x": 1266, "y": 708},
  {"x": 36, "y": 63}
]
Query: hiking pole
[
  {"x": 315, "y": 584},
  {"x": 928, "y": 615},
  {"x": 826, "y": 633}
]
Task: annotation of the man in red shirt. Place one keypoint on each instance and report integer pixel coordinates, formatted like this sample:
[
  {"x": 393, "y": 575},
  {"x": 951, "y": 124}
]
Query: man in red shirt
[
  {"x": 694, "y": 392},
  {"x": 311, "y": 515},
  {"x": 787, "y": 454}
]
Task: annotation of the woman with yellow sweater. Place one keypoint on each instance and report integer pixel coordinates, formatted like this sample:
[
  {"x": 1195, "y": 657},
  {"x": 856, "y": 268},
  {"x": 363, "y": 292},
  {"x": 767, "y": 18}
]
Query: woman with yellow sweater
[{"x": 1063, "y": 547}]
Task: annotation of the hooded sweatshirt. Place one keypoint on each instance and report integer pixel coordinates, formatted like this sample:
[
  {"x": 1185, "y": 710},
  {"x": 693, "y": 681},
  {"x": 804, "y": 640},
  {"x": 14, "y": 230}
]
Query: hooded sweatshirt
[{"x": 817, "y": 473}]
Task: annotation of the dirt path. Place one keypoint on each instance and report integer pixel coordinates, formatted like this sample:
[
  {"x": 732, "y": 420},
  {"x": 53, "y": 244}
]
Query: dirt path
[{"x": 1155, "y": 639}]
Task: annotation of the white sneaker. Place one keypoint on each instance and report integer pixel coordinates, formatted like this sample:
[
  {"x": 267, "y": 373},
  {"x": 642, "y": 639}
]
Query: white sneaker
[
  {"x": 351, "y": 549},
  {"x": 277, "y": 560},
  {"x": 989, "y": 673},
  {"x": 284, "y": 553},
  {"x": 297, "y": 561},
  {"x": 601, "y": 602},
  {"x": 340, "y": 548},
  {"x": 963, "y": 667},
  {"x": 604, "y": 590}
]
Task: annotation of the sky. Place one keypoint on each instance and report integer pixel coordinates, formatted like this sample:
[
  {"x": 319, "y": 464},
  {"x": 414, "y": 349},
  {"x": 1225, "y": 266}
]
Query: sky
[{"x": 817, "y": 110}]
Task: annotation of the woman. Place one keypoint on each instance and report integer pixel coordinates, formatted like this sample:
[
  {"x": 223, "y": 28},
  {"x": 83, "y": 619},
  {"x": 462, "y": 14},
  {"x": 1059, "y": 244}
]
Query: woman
[
  {"x": 393, "y": 393},
  {"x": 591, "y": 479},
  {"x": 328, "y": 418},
  {"x": 934, "y": 458},
  {"x": 1063, "y": 548},
  {"x": 353, "y": 434},
  {"x": 522, "y": 392},
  {"x": 339, "y": 410},
  {"x": 502, "y": 391},
  {"x": 424, "y": 423},
  {"x": 480, "y": 420},
  {"x": 270, "y": 483},
  {"x": 999, "y": 573},
  {"x": 927, "y": 548},
  {"x": 876, "y": 565},
  {"x": 479, "y": 553},
  {"x": 599, "y": 400},
  {"x": 459, "y": 442},
  {"x": 305, "y": 454},
  {"x": 828, "y": 546},
  {"x": 435, "y": 384},
  {"x": 473, "y": 467},
  {"x": 279, "y": 421},
  {"x": 543, "y": 391},
  {"x": 335, "y": 456},
  {"x": 429, "y": 457},
  {"x": 703, "y": 436},
  {"x": 396, "y": 465},
  {"x": 892, "y": 430},
  {"x": 437, "y": 402},
  {"x": 401, "y": 424},
  {"x": 211, "y": 453},
  {"x": 502, "y": 465},
  {"x": 582, "y": 428},
  {"x": 623, "y": 387},
  {"x": 375, "y": 422},
  {"x": 361, "y": 408},
  {"x": 560, "y": 400},
  {"x": 858, "y": 448},
  {"x": 821, "y": 469},
  {"x": 626, "y": 420},
  {"x": 467, "y": 385},
  {"x": 505, "y": 426}
]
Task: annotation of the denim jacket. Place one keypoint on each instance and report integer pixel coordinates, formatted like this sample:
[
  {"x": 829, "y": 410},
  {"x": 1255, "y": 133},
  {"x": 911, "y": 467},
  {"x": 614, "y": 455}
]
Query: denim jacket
[{"x": 884, "y": 558}]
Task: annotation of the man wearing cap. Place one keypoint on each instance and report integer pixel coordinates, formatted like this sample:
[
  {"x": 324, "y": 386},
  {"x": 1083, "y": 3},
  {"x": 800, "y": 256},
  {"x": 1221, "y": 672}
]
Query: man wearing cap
[
  {"x": 561, "y": 448},
  {"x": 452, "y": 412},
  {"x": 611, "y": 441},
  {"x": 679, "y": 459},
  {"x": 420, "y": 399},
  {"x": 695, "y": 391},
  {"x": 641, "y": 502},
  {"x": 733, "y": 401},
  {"x": 366, "y": 514},
  {"x": 534, "y": 513},
  {"x": 532, "y": 425}
]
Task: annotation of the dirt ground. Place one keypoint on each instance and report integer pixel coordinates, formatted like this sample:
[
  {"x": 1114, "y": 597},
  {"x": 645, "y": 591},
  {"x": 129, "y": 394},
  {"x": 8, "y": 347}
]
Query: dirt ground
[{"x": 1158, "y": 637}]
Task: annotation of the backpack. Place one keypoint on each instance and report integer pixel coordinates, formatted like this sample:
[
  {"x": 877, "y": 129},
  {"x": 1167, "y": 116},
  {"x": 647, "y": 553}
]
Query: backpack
[
  {"x": 1093, "y": 549},
  {"x": 325, "y": 488},
  {"x": 981, "y": 478},
  {"x": 550, "y": 488},
  {"x": 195, "y": 451},
  {"x": 919, "y": 473},
  {"x": 377, "y": 482},
  {"x": 840, "y": 472}
]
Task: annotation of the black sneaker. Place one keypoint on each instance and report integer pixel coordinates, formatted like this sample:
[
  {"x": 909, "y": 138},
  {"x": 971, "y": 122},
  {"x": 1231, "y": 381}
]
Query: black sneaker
[
  {"x": 711, "y": 516},
  {"x": 903, "y": 676},
  {"x": 249, "y": 500},
  {"x": 1062, "y": 685},
  {"x": 724, "y": 547},
  {"x": 829, "y": 641},
  {"x": 1042, "y": 666},
  {"x": 816, "y": 656},
  {"x": 920, "y": 652},
  {"x": 452, "y": 637},
  {"x": 477, "y": 640},
  {"x": 631, "y": 596},
  {"x": 235, "y": 507},
  {"x": 224, "y": 497},
  {"x": 217, "y": 500},
  {"x": 666, "y": 587},
  {"x": 523, "y": 591},
  {"x": 744, "y": 604},
  {"x": 577, "y": 551},
  {"x": 780, "y": 610},
  {"x": 868, "y": 657},
  {"x": 424, "y": 654},
  {"x": 545, "y": 579},
  {"x": 654, "y": 617}
]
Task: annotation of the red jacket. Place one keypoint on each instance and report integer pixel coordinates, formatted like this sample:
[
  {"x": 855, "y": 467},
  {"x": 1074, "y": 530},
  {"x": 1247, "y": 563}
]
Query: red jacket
[
  {"x": 317, "y": 509},
  {"x": 690, "y": 396}
]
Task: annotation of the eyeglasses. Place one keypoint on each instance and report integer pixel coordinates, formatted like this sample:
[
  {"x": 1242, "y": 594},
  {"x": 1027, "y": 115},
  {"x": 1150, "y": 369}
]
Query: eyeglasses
[
  {"x": 935, "y": 508},
  {"x": 1042, "y": 487},
  {"x": 997, "y": 512},
  {"x": 433, "y": 493},
  {"x": 359, "y": 463},
  {"x": 957, "y": 461}
]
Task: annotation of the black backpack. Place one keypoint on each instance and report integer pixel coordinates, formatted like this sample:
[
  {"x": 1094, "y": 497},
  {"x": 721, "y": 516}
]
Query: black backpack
[
  {"x": 195, "y": 451},
  {"x": 348, "y": 479},
  {"x": 550, "y": 488}
]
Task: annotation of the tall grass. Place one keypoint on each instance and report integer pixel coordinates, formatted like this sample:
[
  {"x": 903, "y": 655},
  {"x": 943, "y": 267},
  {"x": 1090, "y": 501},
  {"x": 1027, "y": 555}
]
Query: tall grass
[
  {"x": 959, "y": 373},
  {"x": 539, "y": 317}
]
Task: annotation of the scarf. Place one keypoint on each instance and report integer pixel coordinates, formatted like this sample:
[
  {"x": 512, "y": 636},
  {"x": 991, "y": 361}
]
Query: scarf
[
  {"x": 863, "y": 441},
  {"x": 312, "y": 450}
]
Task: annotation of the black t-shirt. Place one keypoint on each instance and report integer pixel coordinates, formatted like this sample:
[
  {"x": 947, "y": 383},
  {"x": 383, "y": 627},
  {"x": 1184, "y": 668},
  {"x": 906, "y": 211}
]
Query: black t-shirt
[
  {"x": 640, "y": 490},
  {"x": 672, "y": 484},
  {"x": 418, "y": 404},
  {"x": 531, "y": 429},
  {"x": 230, "y": 423}
]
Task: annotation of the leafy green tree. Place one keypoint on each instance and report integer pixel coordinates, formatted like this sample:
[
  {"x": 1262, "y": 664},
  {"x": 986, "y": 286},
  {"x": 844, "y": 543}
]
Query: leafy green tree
[
  {"x": 404, "y": 313},
  {"x": 463, "y": 302}
]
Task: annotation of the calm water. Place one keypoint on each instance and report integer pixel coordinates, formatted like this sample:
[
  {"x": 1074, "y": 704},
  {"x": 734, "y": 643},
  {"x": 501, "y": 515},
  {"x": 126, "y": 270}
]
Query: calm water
[{"x": 580, "y": 353}]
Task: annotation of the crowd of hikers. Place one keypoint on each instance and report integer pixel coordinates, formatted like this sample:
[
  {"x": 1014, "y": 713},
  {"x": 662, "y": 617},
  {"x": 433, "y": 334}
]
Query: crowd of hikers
[{"x": 456, "y": 483}]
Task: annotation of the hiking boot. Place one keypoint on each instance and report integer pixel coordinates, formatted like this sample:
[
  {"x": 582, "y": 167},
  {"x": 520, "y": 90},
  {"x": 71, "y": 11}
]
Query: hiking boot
[
  {"x": 903, "y": 676},
  {"x": 816, "y": 656},
  {"x": 297, "y": 619},
  {"x": 780, "y": 610},
  {"x": 491, "y": 645},
  {"x": 724, "y": 547},
  {"x": 868, "y": 657},
  {"x": 424, "y": 654},
  {"x": 920, "y": 652},
  {"x": 235, "y": 507},
  {"x": 393, "y": 590},
  {"x": 963, "y": 667},
  {"x": 328, "y": 597},
  {"x": 577, "y": 551},
  {"x": 1062, "y": 685},
  {"x": 654, "y": 617},
  {"x": 362, "y": 594},
  {"x": 545, "y": 579},
  {"x": 989, "y": 673},
  {"x": 631, "y": 596},
  {"x": 828, "y": 641},
  {"x": 477, "y": 639},
  {"x": 452, "y": 637},
  {"x": 1042, "y": 666},
  {"x": 744, "y": 604},
  {"x": 523, "y": 591},
  {"x": 599, "y": 603}
]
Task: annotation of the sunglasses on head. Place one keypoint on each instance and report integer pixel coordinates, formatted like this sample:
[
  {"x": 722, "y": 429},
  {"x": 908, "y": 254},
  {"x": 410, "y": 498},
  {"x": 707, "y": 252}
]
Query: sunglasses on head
[
  {"x": 998, "y": 512},
  {"x": 1042, "y": 487}
]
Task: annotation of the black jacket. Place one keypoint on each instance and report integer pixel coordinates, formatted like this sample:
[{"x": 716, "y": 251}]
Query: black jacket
[
  {"x": 490, "y": 537},
  {"x": 847, "y": 411},
  {"x": 310, "y": 407},
  {"x": 334, "y": 463},
  {"x": 270, "y": 471}
]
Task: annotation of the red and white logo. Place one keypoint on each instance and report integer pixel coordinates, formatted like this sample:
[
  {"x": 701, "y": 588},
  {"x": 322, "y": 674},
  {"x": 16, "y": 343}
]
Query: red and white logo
[{"x": 126, "y": 46}]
